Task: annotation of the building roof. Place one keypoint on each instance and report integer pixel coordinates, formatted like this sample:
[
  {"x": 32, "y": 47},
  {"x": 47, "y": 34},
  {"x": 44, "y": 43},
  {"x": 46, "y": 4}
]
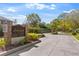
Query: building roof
[{"x": 4, "y": 19}]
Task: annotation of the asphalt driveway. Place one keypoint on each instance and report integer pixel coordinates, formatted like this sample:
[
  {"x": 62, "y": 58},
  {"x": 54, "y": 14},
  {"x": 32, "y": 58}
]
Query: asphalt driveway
[{"x": 52, "y": 45}]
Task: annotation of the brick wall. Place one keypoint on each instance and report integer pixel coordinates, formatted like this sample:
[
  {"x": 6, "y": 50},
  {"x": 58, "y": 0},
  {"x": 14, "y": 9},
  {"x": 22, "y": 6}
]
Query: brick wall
[{"x": 18, "y": 30}]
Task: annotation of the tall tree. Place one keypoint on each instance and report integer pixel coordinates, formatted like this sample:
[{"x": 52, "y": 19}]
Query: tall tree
[{"x": 33, "y": 19}]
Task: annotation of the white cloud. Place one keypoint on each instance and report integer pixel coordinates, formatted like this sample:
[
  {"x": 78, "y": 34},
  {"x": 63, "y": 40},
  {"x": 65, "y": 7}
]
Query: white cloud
[
  {"x": 40, "y": 6},
  {"x": 37, "y": 6},
  {"x": 11, "y": 16},
  {"x": 53, "y": 6},
  {"x": 11, "y": 10},
  {"x": 5, "y": 11},
  {"x": 68, "y": 11},
  {"x": 20, "y": 18},
  {"x": 2, "y": 12}
]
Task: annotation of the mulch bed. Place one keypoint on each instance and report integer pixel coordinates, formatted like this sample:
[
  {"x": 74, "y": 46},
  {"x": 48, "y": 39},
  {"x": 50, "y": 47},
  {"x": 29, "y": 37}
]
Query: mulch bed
[{"x": 12, "y": 47}]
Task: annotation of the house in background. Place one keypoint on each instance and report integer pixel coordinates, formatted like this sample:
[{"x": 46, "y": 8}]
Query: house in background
[{"x": 5, "y": 20}]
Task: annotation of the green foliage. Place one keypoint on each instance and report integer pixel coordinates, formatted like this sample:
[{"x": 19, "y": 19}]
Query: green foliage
[
  {"x": 55, "y": 32},
  {"x": 70, "y": 20},
  {"x": 56, "y": 25},
  {"x": 35, "y": 25},
  {"x": 34, "y": 30},
  {"x": 48, "y": 26},
  {"x": 0, "y": 29},
  {"x": 74, "y": 33},
  {"x": 24, "y": 41},
  {"x": 62, "y": 25},
  {"x": 76, "y": 36},
  {"x": 33, "y": 20},
  {"x": 45, "y": 27},
  {"x": 41, "y": 35},
  {"x": 42, "y": 25},
  {"x": 67, "y": 22},
  {"x": 77, "y": 30},
  {"x": 2, "y": 42},
  {"x": 44, "y": 30},
  {"x": 32, "y": 36}
]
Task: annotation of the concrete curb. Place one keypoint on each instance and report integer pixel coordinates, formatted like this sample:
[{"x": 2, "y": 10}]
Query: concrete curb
[
  {"x": 18, "y": 48},
  {"x": 75, "y": 39}
]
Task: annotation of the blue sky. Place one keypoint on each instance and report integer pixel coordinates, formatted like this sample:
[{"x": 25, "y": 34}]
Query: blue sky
[{"x": 46, "y": 11}]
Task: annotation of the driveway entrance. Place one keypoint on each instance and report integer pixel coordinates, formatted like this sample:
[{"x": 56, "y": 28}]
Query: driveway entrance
[{"x": 52, "y": 45}]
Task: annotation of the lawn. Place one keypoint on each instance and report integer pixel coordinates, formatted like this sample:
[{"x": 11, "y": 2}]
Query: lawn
[{"x": 77, "y": 37}]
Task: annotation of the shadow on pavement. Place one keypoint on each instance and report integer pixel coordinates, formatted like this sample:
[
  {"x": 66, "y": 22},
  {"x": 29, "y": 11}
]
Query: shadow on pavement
[{"x": 23, "y": 50}]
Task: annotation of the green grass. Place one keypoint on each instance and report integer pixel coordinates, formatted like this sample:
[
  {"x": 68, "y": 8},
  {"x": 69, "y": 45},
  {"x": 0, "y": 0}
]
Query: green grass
[{"x": 76, "y": 37}]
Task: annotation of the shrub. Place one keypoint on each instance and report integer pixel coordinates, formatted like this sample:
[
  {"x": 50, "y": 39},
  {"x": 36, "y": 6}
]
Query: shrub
[
  {"x": 41, "y": 35},
  {"x": 34, "y": 30},
  {"x": 24, "y": 41},
  {"x": 1, "y": 32},
  {"x": 45, "y": 30},
  {"x": 55, "y": 33},
  {"x": 77, "y": 30},
  {"x": 32, "y": 36},
  {"x": 2, "y": 42},
  {"x": 74, "y": 33}
]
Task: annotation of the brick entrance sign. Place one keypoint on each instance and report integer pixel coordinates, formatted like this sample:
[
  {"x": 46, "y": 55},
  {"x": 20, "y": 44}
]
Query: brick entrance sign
[{"x": 7, "y": 27}]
